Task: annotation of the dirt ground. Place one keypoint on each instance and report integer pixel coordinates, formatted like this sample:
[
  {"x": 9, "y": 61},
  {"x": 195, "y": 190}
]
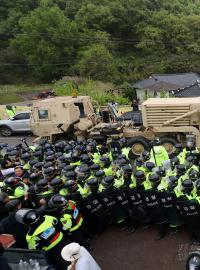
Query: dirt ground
[{"x": 115, "y": 250}]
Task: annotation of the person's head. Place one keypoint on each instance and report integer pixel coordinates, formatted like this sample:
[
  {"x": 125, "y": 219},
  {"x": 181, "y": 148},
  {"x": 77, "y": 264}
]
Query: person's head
[
  {"x": 187, "y": 186},
  {"x": 27, "y": 216},
  {"x": 140, "y": 177},
  {"x": 154, "y": 179},
  {"x": 19, "y": 171},
  {"x": 71, "y": 252}
]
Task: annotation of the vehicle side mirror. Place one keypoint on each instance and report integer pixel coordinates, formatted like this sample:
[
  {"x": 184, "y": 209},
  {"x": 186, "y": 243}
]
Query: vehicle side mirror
[
  {"x": 60, "y": 125},
  {"x": 12, "y": 119}
]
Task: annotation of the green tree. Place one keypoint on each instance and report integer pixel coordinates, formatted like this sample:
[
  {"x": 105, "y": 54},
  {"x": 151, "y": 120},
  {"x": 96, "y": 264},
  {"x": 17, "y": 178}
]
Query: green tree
[
  {"x": 47, "y": 41},
  {"x": 97, "y": 62}
]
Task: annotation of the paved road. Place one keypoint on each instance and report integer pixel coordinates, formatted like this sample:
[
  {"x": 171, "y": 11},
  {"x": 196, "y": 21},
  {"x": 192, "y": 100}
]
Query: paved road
[
  {"x": 116, "y": 250},
  {"x": 15, "y": 139}
]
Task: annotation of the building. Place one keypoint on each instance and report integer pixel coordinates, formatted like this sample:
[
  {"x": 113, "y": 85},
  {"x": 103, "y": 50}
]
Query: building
[
  {"x": 189, "y": 91},
  {"x": 164, "y": 85}
]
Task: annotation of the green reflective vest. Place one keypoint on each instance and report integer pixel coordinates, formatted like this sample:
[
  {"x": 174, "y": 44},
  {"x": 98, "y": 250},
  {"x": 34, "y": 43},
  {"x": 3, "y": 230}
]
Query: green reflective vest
[
  {"x": 43, "y": 233},
  {"x": 160, "y": 155}
]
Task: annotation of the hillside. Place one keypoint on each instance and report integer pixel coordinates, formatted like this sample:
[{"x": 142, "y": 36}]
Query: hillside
[{"x": 109, "y": 40}]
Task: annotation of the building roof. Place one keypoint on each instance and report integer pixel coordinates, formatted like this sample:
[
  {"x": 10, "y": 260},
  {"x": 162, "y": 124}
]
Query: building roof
[
  {"x": 171, "y": 101},
  {"x": 189, "y": 91},
  {"x": 169, "y": 80}
]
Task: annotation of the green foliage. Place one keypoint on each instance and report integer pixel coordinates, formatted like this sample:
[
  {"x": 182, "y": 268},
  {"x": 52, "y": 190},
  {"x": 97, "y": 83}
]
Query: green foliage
[
  {"x": 98, "y": 91},
  {"x": 109, "y": 40}
]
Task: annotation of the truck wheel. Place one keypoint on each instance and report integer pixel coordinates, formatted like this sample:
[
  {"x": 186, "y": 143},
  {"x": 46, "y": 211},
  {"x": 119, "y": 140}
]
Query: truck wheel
[
  {"x": 138, "y": 146},
  {"x": 168, "y": 143},
  {"x": 5, "y": 131}
]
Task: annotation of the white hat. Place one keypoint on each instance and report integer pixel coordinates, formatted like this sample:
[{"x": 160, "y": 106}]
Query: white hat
[{"x": 71, "y": 252}]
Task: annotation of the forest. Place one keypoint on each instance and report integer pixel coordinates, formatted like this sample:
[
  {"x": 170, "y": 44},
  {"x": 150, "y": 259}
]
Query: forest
[{"x": 109, "y": 40}]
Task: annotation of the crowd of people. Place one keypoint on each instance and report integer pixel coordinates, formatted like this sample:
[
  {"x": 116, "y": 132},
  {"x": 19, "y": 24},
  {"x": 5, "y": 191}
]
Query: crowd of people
[{"x": 54, "y": 194}]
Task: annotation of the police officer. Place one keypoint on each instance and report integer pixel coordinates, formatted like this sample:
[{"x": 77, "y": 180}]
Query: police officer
[
  {"x": 15, "y": 187},
  {"x": 70, "y": 217},
  {"x": 44, "y": 234},
  {"x": 158, "y": 153}
]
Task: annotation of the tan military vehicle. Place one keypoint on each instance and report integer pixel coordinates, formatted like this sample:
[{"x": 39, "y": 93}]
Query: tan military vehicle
[{"x": 171, "y": 119}]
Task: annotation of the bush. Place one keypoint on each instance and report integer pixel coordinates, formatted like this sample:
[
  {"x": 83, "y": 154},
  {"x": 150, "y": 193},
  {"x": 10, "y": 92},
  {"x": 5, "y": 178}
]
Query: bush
[{"x": 98, "y": 91}]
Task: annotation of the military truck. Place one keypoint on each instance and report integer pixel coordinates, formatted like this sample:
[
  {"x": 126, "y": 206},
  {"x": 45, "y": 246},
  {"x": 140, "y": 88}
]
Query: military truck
[{"x": 170, "y": 119}]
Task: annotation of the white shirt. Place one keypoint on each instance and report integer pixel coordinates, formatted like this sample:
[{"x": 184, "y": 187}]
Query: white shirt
[{"x": 86, "y": 261}]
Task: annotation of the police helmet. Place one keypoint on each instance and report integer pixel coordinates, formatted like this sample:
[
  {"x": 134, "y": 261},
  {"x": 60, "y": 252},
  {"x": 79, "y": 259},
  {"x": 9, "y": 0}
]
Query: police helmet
[
  {"x": 85, "y": 158},
  {"x": 34, "y": 177},
  {"x": 70, "y": 167},
  {"x": 39, "y": 165},
  {"x": 47, "y": 164},
  {"x": 123, "y": 142},
  {"x": 50, "y": 158},
  {"x": 194, "y": 175},
  {"x": 68, "y": 148},
  {"x": 197, "y": 185},
  {"x": 38, "y": 153},
  {"x": 27, "y": 216},
  {"x": 108, "y": 181},
  {"x": 178, "y": 147},
  {"x": 181, "y": 169},
  {"x": 13, "y": 153},
  {"x": 49, "y": 171},
  {"x": 57, "y": 201},
  {"x": 174, "y": 162},
  {"x": 92, "y": 183},
  {"x": 33, "y": 162},
  {"x": 95, "y": 167},
  {"x": 157, "y": 142},
  {"x": 104, "y": 161},
  {"x": 161, "y": 171},
  {"x": 26, "y": 156},
  {"x": 49, "y": 153},
  {"x": 122, "y": 156},
  {"x": 42, "y": 185},
  {"x": 187, "y": 186},
  {"x": 150, "y": 165},
  {"x": 12, "y": 181},
  {"x": 71, "y": 185},
  {"x": 56, "y": 183},
  {"x": 146, "y": 155},
  {"x": 140, "y": 175},
  {"x": 123, "y": 162},
  {"x": 139, "y": 161},
  {"x": 100, "y": 174},
  {"x": 193, "y": 261},
  {"x": 154, "y": 178},
  {"x": 127, "y": 169},
  {"x": 70, "y": 175},
  {"x": 75, "y": 156},
  {"x": 47, "y": 147},
  {"x": 59, "y": 154}
]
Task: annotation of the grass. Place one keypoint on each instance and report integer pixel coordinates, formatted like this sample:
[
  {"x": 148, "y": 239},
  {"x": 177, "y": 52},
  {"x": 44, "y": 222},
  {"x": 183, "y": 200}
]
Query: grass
[{"x": 14, "y": 93}]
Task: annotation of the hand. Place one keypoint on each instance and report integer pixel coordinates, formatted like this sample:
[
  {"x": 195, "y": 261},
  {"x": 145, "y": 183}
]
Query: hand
[{"x": 43, "y": 202}]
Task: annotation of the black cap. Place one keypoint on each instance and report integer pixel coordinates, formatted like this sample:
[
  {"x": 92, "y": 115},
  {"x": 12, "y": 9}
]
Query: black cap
[
  {"x": 108, "y": 181},
  {"x": 49, "y": 153},
  {"x": 70, "y": 175},
  {"x": 181, "y": 168}
]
